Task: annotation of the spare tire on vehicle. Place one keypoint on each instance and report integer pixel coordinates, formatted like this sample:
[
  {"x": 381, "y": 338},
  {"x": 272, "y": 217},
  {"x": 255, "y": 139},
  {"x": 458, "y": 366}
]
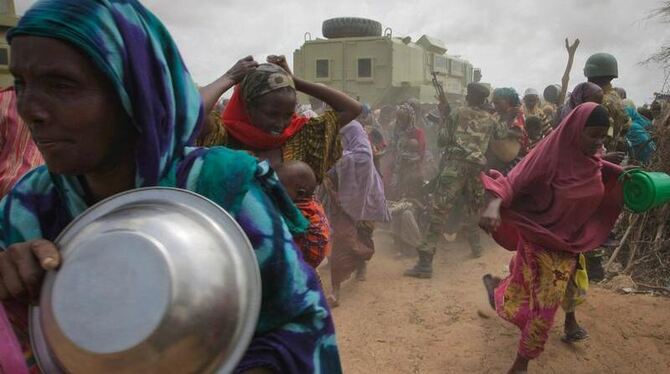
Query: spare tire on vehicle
[{"x": 350, "y": 27}]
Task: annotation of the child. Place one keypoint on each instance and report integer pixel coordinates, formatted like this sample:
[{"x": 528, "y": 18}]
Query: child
[
  {"x": 534, "y": 129},
  {"x": 300, "y": 182}
]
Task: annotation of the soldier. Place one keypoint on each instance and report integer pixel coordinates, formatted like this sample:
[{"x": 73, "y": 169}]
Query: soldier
[
  {"x": 601, "y": 69},
  {"x": 458, "y": 192}
]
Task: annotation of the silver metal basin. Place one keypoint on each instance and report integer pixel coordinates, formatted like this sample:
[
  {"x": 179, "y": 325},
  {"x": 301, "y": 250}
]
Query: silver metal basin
[{"x": 155, "y": 280}]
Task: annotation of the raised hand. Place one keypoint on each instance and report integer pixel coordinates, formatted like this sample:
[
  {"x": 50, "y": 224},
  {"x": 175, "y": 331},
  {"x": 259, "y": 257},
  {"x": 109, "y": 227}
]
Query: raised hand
[
  {"x": 571, "y": 48},
  {"x": 281, "y": 61},
  {"x": 241, "y": 69}
]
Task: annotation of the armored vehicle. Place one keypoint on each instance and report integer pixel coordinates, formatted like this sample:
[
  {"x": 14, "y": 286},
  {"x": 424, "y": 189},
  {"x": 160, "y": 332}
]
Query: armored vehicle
[{"x": 377, "y": 68}]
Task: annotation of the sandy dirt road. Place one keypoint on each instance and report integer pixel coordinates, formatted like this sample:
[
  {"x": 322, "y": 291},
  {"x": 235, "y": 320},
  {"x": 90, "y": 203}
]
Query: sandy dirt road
[{"x": 393, "y": 324}]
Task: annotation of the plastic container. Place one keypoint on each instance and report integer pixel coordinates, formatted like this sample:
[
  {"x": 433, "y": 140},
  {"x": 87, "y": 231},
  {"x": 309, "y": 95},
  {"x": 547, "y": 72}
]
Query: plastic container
[{"x": 644, "y": 190}]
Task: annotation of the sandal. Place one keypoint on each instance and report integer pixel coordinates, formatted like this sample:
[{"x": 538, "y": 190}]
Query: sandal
[{"x": 576, "y": 336}]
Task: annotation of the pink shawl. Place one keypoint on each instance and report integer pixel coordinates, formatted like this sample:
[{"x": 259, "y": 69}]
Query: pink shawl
[
  {"x": 557, "y": 197},
  {"x": 11, "y": 355},
  {"x": 18, "y": 153}
]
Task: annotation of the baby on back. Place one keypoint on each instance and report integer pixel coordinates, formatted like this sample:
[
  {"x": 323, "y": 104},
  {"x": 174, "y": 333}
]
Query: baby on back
[{"x": 299, "y": 181}]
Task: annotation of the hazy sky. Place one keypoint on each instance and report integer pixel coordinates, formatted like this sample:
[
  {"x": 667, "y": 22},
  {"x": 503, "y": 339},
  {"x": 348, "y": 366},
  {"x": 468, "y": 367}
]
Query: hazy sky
[{"x": 515, "y": 43}]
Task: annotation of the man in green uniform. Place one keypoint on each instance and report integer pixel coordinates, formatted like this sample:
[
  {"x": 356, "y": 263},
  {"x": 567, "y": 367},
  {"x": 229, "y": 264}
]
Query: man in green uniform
[
  {"x": 457, "y": 191},
  {"x": 601, "y": 69}
]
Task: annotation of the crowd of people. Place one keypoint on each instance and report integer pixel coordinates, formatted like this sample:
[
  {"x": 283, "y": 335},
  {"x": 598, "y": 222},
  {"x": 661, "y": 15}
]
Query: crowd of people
[{"x": 103, "y": 103}]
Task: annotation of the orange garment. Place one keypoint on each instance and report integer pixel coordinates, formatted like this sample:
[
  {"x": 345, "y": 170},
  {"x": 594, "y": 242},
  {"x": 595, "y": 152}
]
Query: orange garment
[{"x": 315, "y": 242}]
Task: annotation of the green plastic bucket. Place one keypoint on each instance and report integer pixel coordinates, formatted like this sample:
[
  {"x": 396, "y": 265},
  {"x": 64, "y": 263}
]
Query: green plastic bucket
[{"x": 644, "y": 190}]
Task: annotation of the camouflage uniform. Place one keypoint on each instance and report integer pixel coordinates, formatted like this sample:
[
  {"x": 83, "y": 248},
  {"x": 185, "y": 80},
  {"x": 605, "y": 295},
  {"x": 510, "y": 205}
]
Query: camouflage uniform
[
  {"x": 458, "y": 193},
  {"x": 619, "y": 120}
]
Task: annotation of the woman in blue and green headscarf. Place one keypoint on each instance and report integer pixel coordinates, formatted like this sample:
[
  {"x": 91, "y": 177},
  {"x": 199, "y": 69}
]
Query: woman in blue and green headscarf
[
  {"x": 638, "y": 137},
  {"x": 112, "y": 108}
]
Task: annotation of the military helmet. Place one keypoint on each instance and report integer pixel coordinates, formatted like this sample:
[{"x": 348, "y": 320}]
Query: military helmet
[{"x": 601, "y": 65}]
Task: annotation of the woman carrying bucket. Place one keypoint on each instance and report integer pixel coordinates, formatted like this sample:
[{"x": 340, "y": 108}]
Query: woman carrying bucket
[{"x": 561, "y": 201}]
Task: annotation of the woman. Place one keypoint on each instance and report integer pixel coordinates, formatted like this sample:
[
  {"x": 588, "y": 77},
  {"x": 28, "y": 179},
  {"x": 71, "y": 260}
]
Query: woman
[
  {"x": 18, "y": 153},
  {"x": 404, "y": 131},
  {"x": 560, "y": 201},
  {"x": 355, "y": 200},
  {"x": 407, "y": 210},
  {"x": 586, "y": 92},
  {"x": 508, "y": 111},
  {"x": 112, "y": 108},
  {"x": 508, "y": 108},
  {"x": 260, "y": 116},
  {"x": 641, "y": 145}
]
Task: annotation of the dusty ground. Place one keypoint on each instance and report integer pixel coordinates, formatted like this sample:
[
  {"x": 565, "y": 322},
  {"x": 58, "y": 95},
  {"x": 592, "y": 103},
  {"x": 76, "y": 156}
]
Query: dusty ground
[{"x": 393, "y": 324}]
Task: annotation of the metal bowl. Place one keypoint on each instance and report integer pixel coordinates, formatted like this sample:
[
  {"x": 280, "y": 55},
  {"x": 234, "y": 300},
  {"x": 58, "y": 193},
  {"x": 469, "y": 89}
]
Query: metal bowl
[{"x": 155, "y": 280}]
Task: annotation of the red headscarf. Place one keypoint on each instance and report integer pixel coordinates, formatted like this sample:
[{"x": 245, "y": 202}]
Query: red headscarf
[
  {"x": 236, "y": 121},
  {"x": 558, "y": 197}
]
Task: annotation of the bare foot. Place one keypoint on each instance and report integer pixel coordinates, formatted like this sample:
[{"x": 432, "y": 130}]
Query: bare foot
[
  {"x": 334, "y": 298},
  {"x": 361, "y": 272},
  {"x": 333, "y": 302},
  {"x": 520, "y": 366}
]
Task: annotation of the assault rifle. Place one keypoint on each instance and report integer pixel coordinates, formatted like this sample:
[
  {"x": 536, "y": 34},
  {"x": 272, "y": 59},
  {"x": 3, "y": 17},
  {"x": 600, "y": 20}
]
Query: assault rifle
[
  {"x": 444, "y": 107},
  {"x": 444, "y": 111}
]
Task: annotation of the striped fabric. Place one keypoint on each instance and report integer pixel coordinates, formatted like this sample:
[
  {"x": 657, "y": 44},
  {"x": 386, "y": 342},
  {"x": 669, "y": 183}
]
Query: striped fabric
[
  {"x": 18, "y": 153},
  {"x": 539, "y": 113}
]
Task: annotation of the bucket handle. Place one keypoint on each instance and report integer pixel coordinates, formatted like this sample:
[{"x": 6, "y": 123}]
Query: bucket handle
[
  {"x": 388, "y": 32},
  {"x": 308, "y": 36},
  {"x": 626, "y": 174}
]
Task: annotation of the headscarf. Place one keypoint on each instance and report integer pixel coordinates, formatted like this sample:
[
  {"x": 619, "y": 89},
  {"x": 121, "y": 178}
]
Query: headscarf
[
  {"x": 578, "y": 96},
  {"x": 531, "y": 91},
  {"x": 235, "y": 118},
  {"x": 360, "y": 188},
  {"x": 408, "y": 111},
  {"x": 638, "y": 136},
  {"x": 265, "y": 79},
  {"x": 509, "y": 94},
  {"x": 558, "y": 197},
  {"x": 155, "y": 88}
]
